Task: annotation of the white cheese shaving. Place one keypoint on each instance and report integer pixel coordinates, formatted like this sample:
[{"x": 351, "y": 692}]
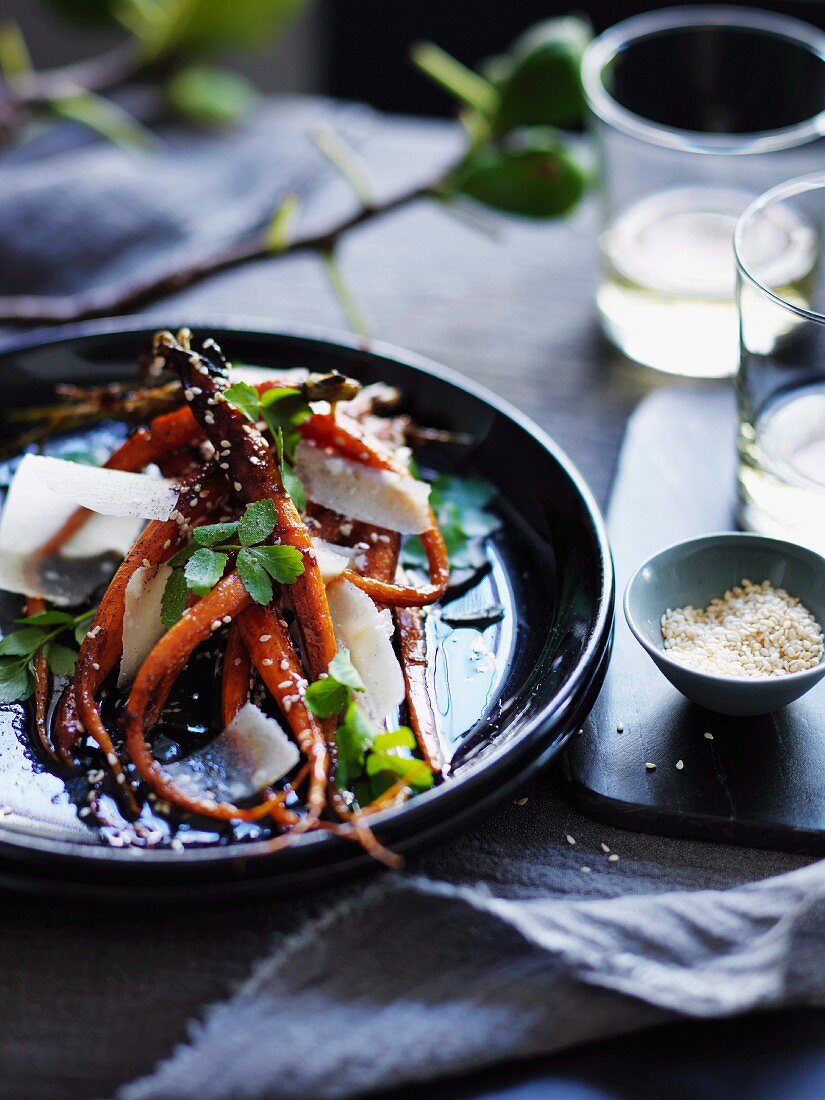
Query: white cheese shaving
[
  {"x": 254, "y": 376},
  {"x": 380, "y": 497},
  {"x": 110, "y": 492},
  {"x": 332, "y": 560},
  {"x": 43, "y": 494},
  {"x": 142, "y": 627},
  {"x": 251, "y": 753},
  {"x": 366, "y": 632}
]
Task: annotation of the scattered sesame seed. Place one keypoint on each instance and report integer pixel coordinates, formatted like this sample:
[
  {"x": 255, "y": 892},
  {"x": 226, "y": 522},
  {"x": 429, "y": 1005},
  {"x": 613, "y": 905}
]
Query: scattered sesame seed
[
  {"x": 570, "y": 839},
  {"x": 285, "y": 665},
  {"x": 620, "y": 728},
  {"x": 265, "y": 637},
  {"x": 268, "y": 661},
  {"x": 604, "y": 848},
  {"x": 708, "y": 735},
  {"x": 586, "y": 870},
  {"x": 237, "y": 486},
  {"x": 650, "y": 767},
  {"x": 95, "y": 666},
  {"x": 227, "y": 619},
  {"x": 679, "y": 765},
  {"x": 613, "y": 858}
]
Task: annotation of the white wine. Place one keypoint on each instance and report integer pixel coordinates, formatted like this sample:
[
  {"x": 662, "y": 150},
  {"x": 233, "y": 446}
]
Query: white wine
[
  {"x": 669, "y": 277},
  {"x": 782, "y": 469}
]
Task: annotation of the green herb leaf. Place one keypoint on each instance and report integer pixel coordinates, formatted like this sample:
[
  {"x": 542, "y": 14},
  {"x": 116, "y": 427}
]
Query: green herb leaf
[
  {"x": 210, "y": 96},
  {"x": 213, "y": 533},
  {"x": 284, "y": 407},
  {"x": 257, "y": 523},
  {"x": 326, "y": 697},
  {"x": 81, "y": 630},
  {"x": 415, "y": 773},
  {"x": 402, "y": 738},
  {"x": 173, "y": 601},
  {"x": 104, "y": 117},
  {"x": 294, "y": 486},
  {"x": 183, "y": 555},
  {"x": 16, "y": 682},
  {"x": 47, "y": 618},
  {"x": 344, "y": 671},
  {"x": 255, "y": 578},
  {"x": 203, "y": 570},
  {"x": 467, "y": 86},
  {"x": 279, "y": 231},
  {"x": 22, "y": 643},
  {"x": 61, "y": 659},
  {"x": 244, "y": 397},
  {"x": 283, "y": 563},
  {"x": 353, "y": 737}
]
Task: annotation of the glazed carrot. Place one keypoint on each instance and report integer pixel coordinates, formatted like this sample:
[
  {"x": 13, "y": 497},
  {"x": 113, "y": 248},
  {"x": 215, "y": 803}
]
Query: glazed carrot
[
  {"x": 412, "y": 646},
  {"x": 154, "y": 680},
  {"x": 249, "y": 464},
  {"x": 42, "y": 688},
  {"x": 270, "y": 647},
  {"x": 236, "y": 675},
  {"x": 102, "y": 647}
]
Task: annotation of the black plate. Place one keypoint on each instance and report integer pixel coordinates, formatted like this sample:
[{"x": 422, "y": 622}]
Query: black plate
[{"x": 552, "y": 570}]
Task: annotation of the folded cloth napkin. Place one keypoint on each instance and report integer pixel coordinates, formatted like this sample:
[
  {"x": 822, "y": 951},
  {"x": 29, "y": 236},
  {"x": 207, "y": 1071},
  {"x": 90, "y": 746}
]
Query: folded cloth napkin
[
  {"x": 509, "y": 941},
  {"x": 503, "y": 945}
]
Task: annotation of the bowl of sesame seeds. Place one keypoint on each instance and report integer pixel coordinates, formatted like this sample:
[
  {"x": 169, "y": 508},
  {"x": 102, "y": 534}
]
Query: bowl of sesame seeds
[{"x": 732, "y": 620}]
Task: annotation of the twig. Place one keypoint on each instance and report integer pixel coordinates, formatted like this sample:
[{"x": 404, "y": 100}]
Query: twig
[
  {"x": 105, "y": 301},
  {"x": 30, "y": 93}
]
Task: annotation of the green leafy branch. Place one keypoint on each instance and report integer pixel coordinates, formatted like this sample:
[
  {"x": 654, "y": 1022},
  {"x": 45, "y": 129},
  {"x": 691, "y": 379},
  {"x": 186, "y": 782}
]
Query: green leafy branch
[
  {"x": 516, "y": 161},
  {"x": 201, "y": 564},
  {"x": 173, "y": 40},
  {"x": 368, "y": 763},
  {"x": 40, "y": 633}
]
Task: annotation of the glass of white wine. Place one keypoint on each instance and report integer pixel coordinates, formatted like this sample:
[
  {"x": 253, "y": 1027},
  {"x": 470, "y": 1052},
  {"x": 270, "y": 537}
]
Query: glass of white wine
[
  {"x": 781, "y": 380},
  {"x": 696, "y": 111}
]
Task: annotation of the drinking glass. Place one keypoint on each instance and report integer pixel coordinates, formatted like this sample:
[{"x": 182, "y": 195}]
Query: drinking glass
[
  {"x": 781, "y": 381},
  {"x": 695, "y": 112}
]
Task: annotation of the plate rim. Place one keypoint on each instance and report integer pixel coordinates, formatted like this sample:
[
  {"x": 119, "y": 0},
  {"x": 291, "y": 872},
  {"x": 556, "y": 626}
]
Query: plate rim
[{"x": 450, "y": 797}]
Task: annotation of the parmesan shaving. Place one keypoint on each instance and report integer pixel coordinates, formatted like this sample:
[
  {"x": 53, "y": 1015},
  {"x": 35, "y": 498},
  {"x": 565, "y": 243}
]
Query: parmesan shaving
[
  {"x": 379, "y": 497},
  {"x": 366, "y": 632},
  {"x": 142, "y": 626},
  {"x": 332, "y": 560},
  {"x": 252, "y": 753}
]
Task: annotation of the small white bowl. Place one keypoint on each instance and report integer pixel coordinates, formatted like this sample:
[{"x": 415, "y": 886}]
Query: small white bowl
[{"x": 702, "y": 569}]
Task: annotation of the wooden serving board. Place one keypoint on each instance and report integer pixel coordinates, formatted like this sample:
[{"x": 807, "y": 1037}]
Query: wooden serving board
[{"x": 759, "y": 781}]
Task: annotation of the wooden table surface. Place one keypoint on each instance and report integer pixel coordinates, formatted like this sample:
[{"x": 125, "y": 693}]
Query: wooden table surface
[{"x": 515, "y": 313}]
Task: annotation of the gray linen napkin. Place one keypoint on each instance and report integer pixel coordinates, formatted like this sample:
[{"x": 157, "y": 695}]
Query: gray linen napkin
[{"x": 510, "y": 940}]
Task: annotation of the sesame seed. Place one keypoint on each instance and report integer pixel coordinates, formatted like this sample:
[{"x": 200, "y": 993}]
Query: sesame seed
[
  {"x": 265, "y": 637},
  {"x": 620, "y": 728},
  {"x": 604, "y": 848},
  {"x": 586, "y": 870},
  {"x": 521, "y": 801},
  {"x": 216, "y": 625},
  {"x": 267, "y": 661},
  {"x": 753, "y": 630},
  {"x": 613, "y": 858},
  {"x": 679, "y": 765},
  {"x": 284, "y": 664},
  {"x": 227, "y": 619},
  {"x": 95, "y": 666},
  {"x": 284, "y": 683},
  {"x": 650, "y": 767},
  {"x": 570, "y": 839},
  {"x": 708, "y": 735},
  {"x": 237, "y": 486}
]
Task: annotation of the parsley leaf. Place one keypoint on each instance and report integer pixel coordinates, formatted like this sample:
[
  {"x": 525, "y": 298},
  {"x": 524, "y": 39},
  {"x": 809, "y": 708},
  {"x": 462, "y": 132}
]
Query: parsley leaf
[
  {"x": 16, "y": 682},
  {"x": 283, "y": 563},
  {"x": 173, "y": 601},
  {"x": 60, "y": 658},
  {"x": 326, "y": 697},
  {"x": 344, "y": 671},
  {"x": 48, "y": 618},
  {"x": 415, "y": 773},
  {"x": 460, "y": 507},
  {"x": 292, "y": 483},
  {"x": 257, "y": 523},
  {"x": 283, "y": 407},
  {"x": 402, "y": 738},
  {"x": 203, "y": 570},
  {"x": 245, "y": 398},
  {"x": 255, "y": 578},
  {"x": 213, "y": 533},
  {"x": 23, "y": 642},
  {"x": 353, "y": 737}
]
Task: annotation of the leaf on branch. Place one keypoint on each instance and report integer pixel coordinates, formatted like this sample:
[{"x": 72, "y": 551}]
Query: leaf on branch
[
  {"x": 15, "y": 61},
  {"x": 257, "y": 523},
  {"x": 173, "y": 601},
  {"x": 61, "y": 659},
  {"x": 539, "y": 79},
  {"x": 105, "y": 118},
  {"x": 245, "y": 398},
  {"x": 213, "y": 533},
  {"x": 283, "y": 563},
  {"x": 16, "y": 683},
  {"x": 342, "y": 155},
  {"x": 467, "y": 86},
  {"x": 210, "y": 96},
  {"x": 346, "y": 299},
  {"x": 204, "y": 26},
  {"x": 255, "y": 578},
  {"x": 540, "y": 181},
  {"x": 279, "y": 231}
]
